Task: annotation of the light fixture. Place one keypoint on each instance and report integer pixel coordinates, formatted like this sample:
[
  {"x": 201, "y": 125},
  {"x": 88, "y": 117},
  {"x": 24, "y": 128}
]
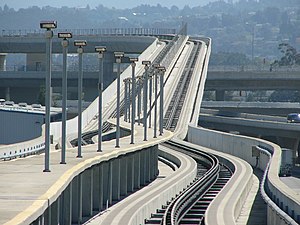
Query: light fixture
[
  {"x": 80, "y": 43},
  {"x": 48, "y": 24}
]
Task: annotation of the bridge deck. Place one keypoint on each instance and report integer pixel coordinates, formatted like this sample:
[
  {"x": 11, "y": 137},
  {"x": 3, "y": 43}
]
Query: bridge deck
[{"x": 35, "y": 187}]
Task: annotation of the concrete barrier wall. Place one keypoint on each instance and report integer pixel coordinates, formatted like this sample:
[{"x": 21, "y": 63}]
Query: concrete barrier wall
[
  {"x": 174, "y": 184},
  {"x": 93, "y": 187},
  {"x": 23, "y": 148},
  {"x": 241, "y": 146},
  {"x": 203, "y": 73}
]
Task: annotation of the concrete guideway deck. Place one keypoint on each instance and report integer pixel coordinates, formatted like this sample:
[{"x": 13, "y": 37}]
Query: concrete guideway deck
[{"x": 27, "y": 191}]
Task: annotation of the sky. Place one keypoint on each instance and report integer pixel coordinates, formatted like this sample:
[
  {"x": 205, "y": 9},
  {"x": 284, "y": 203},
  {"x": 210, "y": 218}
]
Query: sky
[{"x": 119, "y": 4}]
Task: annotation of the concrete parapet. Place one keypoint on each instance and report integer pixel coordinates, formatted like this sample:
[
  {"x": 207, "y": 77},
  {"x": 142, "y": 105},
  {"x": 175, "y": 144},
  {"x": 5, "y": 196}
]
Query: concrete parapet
[{"x": 184, "y": 175}]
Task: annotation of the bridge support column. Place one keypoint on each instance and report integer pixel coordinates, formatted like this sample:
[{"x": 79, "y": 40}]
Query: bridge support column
[
  {"x": 7, "y": 93},
  {"x": 3, "y": 61},
  {"x": 116, "y": 179},
  {"x": 154, "y": 161},
  {"x": 97, "y": 188},
  {"x": 108, "y": 62},
  {"x": 123, "y": 175},
  {"x": 148, "y": 164},
  {"x": 66, "y": 206},
  {"x": 130, "y": 173},
  {"x": 220, "y": 95},
  {"x": 137, "y": 170},
  {"x": 77, "y": 199},
  {"x": 55, "y": 208},
  {"x": 143, "y": 167},
  {"x": 35, "y": 62},
  {"x": 107, "y": 186},
  {"x": 87, "y": 193}
]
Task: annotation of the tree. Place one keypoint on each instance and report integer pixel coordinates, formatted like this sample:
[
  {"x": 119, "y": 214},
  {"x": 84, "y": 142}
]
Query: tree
[{"x": 290, "y": 56}]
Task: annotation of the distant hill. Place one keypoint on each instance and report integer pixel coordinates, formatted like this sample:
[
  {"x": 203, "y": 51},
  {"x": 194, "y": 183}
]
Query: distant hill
[{"x": 118, "y": 4}]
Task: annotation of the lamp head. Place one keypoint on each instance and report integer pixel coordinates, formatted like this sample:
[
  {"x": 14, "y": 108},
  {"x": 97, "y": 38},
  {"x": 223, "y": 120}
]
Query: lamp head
[
  {"x": 119, "y": 54},
  {"x": 64, "y": 35},
  {"x": 80, "y": 43},
  {"x": 100, "y": 49},
  {"x": 146, "y": 63},
  {"x": 48, "y": 25}
]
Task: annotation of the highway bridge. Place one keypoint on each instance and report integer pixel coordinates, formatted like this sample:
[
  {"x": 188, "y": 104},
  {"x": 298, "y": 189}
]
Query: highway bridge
[
  {"x": 106, "y": 187},
  {"x": 222, "y": 81}
]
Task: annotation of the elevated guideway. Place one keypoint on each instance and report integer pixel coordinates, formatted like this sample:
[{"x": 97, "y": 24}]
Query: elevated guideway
[
  {"x": 56, "y": 201},
  {"x": 41, "y": 207}
]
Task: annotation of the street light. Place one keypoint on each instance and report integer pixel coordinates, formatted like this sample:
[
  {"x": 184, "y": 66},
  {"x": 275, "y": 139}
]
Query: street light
[
  {"x": 133, "y": 64},
  {"x": 145, "y": 92},
  {"x": 156, "y": 66},
  {"x": 118, "y": 56},
  {"x": 100, "y": 50},
  {"x": 139, "y": 106},
  {"x": 80, "y": 44},
  {"x": 125, "y": 98},
  {"x": 162, "y": 71},
  {"x": 65, "y": 44},
  {"x": 48, "y": 25}
]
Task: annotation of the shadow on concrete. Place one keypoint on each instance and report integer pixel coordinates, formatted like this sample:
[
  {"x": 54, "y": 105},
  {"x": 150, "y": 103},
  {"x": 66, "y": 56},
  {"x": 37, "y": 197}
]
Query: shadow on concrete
[{"x": 258, "y": 214}]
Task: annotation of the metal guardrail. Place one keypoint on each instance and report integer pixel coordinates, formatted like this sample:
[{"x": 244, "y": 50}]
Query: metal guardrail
[{"x": 84, "y": 32}]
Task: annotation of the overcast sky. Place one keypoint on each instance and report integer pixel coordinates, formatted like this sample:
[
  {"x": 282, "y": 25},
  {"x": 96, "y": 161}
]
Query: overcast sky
[{"x": 121, "y": 4}]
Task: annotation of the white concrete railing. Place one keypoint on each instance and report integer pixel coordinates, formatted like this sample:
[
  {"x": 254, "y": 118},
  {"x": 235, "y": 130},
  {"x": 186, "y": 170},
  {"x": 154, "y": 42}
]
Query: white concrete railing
[
  {"x": 22, "y": 148},
  {"x": 241, "y": 146}
]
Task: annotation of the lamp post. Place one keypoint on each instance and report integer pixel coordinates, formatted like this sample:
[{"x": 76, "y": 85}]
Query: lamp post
[
  {"x": 133, "y": 64},
  {"x": 139, "y": 106},
  {"x": 156, "y": 66},
  {"x": 150, "y": 76},
  {"x": 145, "y": 95},
  {"x": 48, "y": 25},
  {"x": 125, "y": 98},
  {"x": 100, "y": 50},
  {"x": 162, "y": 71},
  {"x": 65, "y": 44},
  {"x": 118, "y": 56},
  {"x": 80, "y": 44}
]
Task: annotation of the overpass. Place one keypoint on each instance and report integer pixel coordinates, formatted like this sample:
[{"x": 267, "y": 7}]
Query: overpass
[
  {"x": 50, "y": 201},
  {"x": 221, "y": 81},
  {"x": 272, "y": 128}
]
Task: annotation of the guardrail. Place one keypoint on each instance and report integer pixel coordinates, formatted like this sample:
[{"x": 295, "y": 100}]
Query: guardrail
[
  {"x": 22, "y": 149},
  {"x": 100, "y": 31}
]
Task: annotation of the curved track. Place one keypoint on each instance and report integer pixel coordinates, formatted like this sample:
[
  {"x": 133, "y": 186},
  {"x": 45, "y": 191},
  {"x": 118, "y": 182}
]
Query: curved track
[{"x": 190, "y": 205}]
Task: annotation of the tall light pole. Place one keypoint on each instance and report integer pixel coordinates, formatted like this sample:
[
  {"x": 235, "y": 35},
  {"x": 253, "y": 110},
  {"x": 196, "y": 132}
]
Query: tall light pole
[
  {"x": 80, "y": 44},
  {"x": 48, "y": 25},
  {"x": 118, "y": 56},
  {"x": 139, "y": 83},
  {"x": 156, "y": 66},
  {"x": 150, "y": 96},
  {"x": 65, "y": 44},
  {"x": 133, "y": 64},
  {"x": 145, "y": 95},
  {"x": 100, "y": 50},
  {"x": 125, "y": 98},
  {"x": 162, "y": 71}
]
